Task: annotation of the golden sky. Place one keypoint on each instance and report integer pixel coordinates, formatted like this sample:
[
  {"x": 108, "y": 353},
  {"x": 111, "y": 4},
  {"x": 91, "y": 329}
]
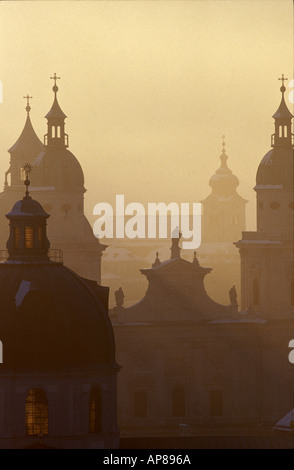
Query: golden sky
[{"x": 149, "y": 88}]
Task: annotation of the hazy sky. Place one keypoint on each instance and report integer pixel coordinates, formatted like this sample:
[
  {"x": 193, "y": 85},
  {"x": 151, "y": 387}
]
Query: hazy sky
[{"x": 149, "y": 87}]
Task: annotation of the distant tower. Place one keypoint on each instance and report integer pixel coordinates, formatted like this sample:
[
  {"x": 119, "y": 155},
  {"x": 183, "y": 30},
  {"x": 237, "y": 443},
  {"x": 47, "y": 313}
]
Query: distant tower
[
  {"x": 267, "y": 254},
  {"x": 25, "y": 149},
  {"x": 224, "y": 209},
  {"x": 223, "y": 221}
]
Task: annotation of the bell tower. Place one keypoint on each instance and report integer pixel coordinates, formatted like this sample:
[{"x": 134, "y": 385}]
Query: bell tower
[
  {"x": 56, "y": 136},
  {"x": 267, "y": 254}
]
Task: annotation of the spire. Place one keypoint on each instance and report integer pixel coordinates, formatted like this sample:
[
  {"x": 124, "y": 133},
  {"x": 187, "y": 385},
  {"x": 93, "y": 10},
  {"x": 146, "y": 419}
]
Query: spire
[
  {"x": 28, "y": 240},
  {"x": 55, "y": 136},
  {"x": 223, "y": 182},
  {"x": 27, "y": 168},
  {"x": 28, "y": 108},
  {"x": 224, "y": 157},
  {"x": 283, "y": 121},
  {"x": 28, "y": 142}
]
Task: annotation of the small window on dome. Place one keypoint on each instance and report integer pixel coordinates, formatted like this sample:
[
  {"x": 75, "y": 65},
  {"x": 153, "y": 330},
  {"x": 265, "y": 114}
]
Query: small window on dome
[
  {"x": 285, "y": 131},
  {"x": 58, "y": 131},
  {"x": 29, "y": 237},
  {"x": 16, "y": 237},
  {"x": 53, "y": 131},
  {"x": 275, "y": 205}
]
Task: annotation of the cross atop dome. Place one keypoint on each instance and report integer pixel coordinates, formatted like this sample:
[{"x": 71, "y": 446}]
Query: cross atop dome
[
  {"x": 55, "y": 87},
  {"x": 27, "y": 168},
  {"x": 28, "y": 108},
  {"x": 283, "y": 88}
]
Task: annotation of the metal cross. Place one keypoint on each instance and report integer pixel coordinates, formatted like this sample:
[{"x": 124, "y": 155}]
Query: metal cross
[
  {"x": 283, "y": 79},
  {"x": 28, "y": 99},
  {"x": 55, "y": 78}
]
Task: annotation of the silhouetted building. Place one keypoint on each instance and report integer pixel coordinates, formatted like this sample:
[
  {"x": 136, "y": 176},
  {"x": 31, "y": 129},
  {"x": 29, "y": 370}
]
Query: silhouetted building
[
  {"x": 58, "y": 376},
  {"x": 223, "y": 221},
  {"x": 267, "y": 253},
  {"x": 58, "y": 183},
  {"x": 188, "y": 360}
]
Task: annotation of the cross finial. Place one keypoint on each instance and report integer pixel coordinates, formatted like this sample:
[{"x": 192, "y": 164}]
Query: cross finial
[
  {"x": 28, "y": 108},
  {"x": 283, "y": 88},
  {"x": 55, "y": 87},
  {"x": 223, "y": 143},
  {"x": 55, "y": 78},
  {"x": 27, "y": 168}
]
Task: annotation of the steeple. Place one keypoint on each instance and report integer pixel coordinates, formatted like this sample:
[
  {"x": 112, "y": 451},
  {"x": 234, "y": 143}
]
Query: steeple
[
  {"x": 28, "y": 240},
  {"x": 282, "y": 136},
  {"x": 223, "y": 182},
  {"x": 27, "y": 146},
  {"x": 55, "y": 136}
]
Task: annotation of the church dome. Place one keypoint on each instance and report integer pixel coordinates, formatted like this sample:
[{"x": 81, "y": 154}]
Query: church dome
[
  {"x": 58, "y": 167},
  {"x": 51, "y": 318},
  {"x": 223, "y": 182},
  {"x": 276, "y": 167}
]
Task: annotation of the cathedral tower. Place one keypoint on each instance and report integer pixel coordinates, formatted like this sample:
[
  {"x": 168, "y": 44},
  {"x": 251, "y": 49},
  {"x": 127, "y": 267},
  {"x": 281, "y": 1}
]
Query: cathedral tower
[
  {"x": 267, "y": 254},
  {"x": 58, "y": 183}
]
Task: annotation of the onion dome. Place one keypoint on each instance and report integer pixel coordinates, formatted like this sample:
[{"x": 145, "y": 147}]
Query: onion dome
[
  {"x": 276, "y": 167},
  {"x": 50, "y": 318},
  {"x": 223, "y": 182},
  {"x": 56, "y": 166}
]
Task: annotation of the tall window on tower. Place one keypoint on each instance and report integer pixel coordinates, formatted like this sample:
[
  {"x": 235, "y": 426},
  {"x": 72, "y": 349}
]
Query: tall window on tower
[
  {"x": 95, "y": 410},
  {"x": 29, "y": 237},
  {"x": 36, "y": 412}
]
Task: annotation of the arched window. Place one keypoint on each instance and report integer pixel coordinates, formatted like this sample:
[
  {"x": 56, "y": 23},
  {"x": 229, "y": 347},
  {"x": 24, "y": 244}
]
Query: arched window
[
  {"x": 36, "y": 412},
  {"x": 53, "y": 131},
  {"x": 178, "y": 402},
  {"x": 216, "y": 403},
  {"x": 95, "y": 410},
  {"x": 29, "y": 237},
  {"x": 58, "y": 131},
  {"x": 255, "y": 292},
  {"x": 285, "y": 131}
]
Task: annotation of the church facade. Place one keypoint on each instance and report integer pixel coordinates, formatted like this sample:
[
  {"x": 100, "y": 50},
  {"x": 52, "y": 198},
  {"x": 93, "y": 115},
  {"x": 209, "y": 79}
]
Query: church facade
[{"x": 189, "y": 361}]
